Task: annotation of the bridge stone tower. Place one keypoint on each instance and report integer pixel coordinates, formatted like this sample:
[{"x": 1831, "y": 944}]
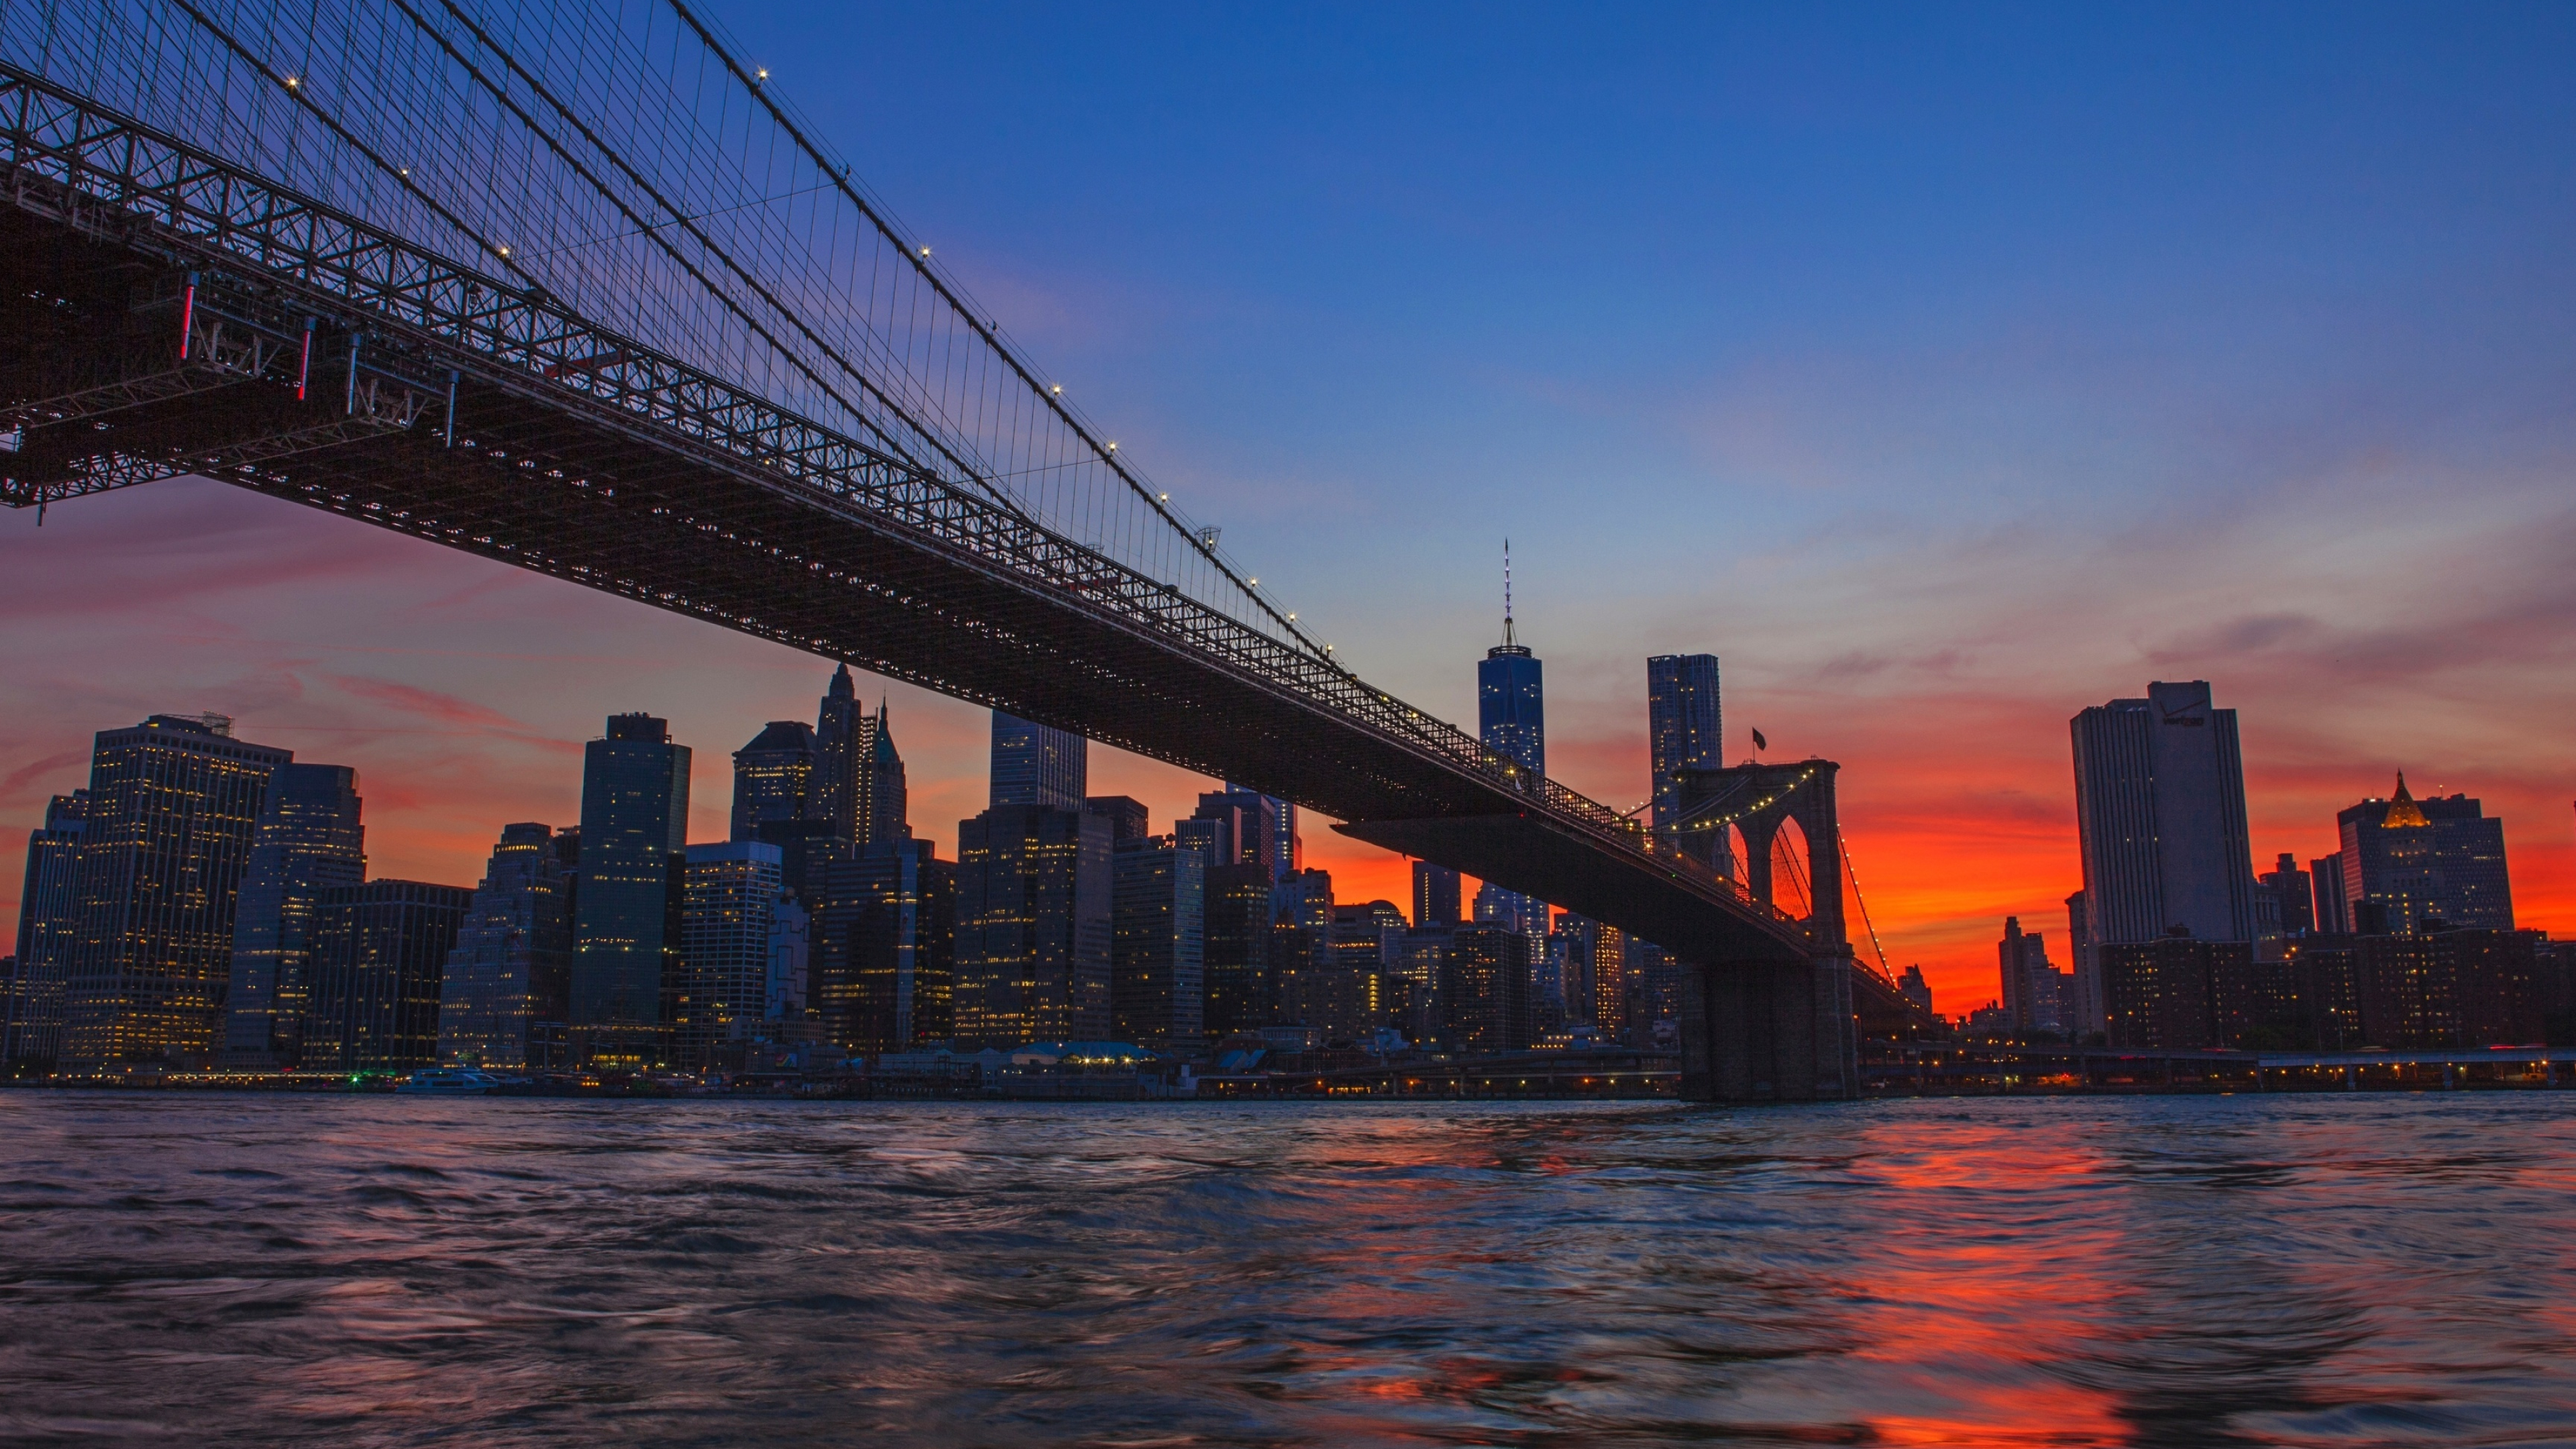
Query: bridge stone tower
[{"x": 1767, "y": 1029}]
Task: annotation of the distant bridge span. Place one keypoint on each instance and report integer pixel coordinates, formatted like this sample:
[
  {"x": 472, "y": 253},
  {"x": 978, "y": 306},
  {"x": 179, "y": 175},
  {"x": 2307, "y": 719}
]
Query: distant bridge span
[{"x": 289, "y": 261}]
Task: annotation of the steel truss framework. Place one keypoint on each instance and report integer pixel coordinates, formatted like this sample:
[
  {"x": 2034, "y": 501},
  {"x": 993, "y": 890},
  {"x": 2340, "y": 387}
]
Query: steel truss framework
[{"x": 332, "y": 364}]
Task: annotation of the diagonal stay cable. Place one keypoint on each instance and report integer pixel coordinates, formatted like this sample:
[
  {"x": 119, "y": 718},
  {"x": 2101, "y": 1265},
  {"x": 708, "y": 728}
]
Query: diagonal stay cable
[
  {"x": 653, "y": 232},
  {"x": 401, "y": 178},
  {"x": 982, "y": 329}
]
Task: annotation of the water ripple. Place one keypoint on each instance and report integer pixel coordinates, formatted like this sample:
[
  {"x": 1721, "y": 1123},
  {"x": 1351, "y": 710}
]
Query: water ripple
[{"x": 2311, "y": 1270}]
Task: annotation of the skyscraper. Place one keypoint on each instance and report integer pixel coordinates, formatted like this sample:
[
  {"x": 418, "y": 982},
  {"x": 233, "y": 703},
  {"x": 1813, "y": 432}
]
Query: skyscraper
[
  {"x": 379, "y": 951},
  {"x": 1240, "y": 989},
  {"x": 1435, "y": 896},
  {"x": 1612, "y": 983},
  {"x": 1158, "y": 929},
  {"x": 2291, "y": 887},
  {"x": 1033, "y": 933},
  {"x": 728, "y": 908},
  {"x": 2034, "y": 994},
  {"x": 310, "y": 840},
  {"x": 1245, "y": 827},
  {"x": 836, "y": 736},
  {"x": 2334, "y": 911},
  {"x": 2083, "y": 984},
  {"x": 634, "y": 823},
  {"x": 48, "y": 924},
  {"x": 1511, "y": 700},
  {"x": 884, "y": 943},
  {"x": 1035, "y": 764},
  {"x": 504, "y": 996},
  {"x": 1685, "y": 730},
  {"x": 2407, "y": 862},
  {"x": 1511, "y": 720},
  {"x": 173, "y": 813},
  {"x": 884, "y": 805},
  {"x": 1485, "y": 991},
  {"x": 2160, "y": 809},
  {"x": 778, "y": 777}
]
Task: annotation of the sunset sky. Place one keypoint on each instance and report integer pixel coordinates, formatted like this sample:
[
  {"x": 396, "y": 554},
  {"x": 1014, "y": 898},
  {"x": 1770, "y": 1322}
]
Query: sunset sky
[{"x": 1943, "y": 370}]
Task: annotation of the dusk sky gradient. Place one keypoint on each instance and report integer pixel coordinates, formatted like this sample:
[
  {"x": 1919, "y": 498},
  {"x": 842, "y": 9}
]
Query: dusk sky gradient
[{"x": 1944, "y": 370}]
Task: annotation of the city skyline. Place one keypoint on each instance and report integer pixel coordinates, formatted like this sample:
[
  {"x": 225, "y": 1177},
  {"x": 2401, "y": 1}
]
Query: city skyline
[
  {"x": 1360, "y": 872},
  {"x": 2238, "y": 401}
]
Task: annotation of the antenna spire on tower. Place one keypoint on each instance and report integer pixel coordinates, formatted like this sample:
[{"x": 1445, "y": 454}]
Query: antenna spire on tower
[{"x": 1507, "y": 592}]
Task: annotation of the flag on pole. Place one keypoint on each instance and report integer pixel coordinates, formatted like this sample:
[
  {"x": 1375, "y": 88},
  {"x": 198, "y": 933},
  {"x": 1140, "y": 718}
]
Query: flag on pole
[{"x": 1760, "y": 743}]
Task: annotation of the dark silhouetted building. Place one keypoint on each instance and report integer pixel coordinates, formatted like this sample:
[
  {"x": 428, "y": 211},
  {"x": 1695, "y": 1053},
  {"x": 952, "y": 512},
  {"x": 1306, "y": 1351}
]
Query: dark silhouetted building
[
  {"x": 311, "y": 840},
  {"x": 1158, "y": 961},
  {"x": 634, "y": 823},
  {"x": 379, "y": 952},
  {"x": 2333, "y": 911},
  {"x": 1033, "y": 934},
  {"x": 2425, "y": 864},
  {"x": 1574, "y": 951},
  {"x": 48, "y": 924},
  {"x": 1436, "y": 901},
  {"x": 2290, "y": 886},
  {"x": 1240, "y": 992},
  {"x": 2035, "y": 993},
  {"x": 504, "y": 999},
  {"x": 172, "y": 817},
  {"x": 1915, "y": 989},
  {"x": 2160, "y": 809},
  {"x": 1125, "y": 814},
  {"x": 1035, "y": 764}
]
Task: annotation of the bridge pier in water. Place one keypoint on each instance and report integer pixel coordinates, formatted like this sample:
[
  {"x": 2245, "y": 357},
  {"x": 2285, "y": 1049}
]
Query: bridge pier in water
[
  {"x": 1770, "y": 1031},
  {"x": 1768, "y": 1028}
]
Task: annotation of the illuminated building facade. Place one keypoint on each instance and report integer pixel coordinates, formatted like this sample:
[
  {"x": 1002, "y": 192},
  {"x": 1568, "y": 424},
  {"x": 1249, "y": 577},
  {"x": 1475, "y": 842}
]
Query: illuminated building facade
[
  {"x": 728, "y": 910},
  {"x": 1485, "y": 991},
  {"x": 2407, "y": 862},
  {"x": 172, "y": 817},
  {"x": 379, "y": 952},
  {"x": 311, "y": 839},
  {"x": 1611, "y": 983},
  {"x": 1685, "y": 729},
  {"x": 776, "y": 778},
  {"x": 1037, "y": 765},
  {"x": 1033, "y": 931},
  {"x": 884, "y": 948}
]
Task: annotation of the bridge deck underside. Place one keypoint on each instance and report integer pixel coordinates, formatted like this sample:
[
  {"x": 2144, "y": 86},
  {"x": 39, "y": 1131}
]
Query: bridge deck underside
[
  {"x": 1528, "y": 853},
  {"x": 535, "y": 484}
]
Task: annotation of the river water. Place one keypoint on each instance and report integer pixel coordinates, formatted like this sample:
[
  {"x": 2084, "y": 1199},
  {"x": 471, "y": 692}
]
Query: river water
[{"x": 2328, "y": 1270}]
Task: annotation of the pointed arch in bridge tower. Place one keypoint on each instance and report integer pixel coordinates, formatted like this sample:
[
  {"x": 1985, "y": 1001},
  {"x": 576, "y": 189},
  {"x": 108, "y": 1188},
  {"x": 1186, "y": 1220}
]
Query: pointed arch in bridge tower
[{"x": 1769, "y": 1030}]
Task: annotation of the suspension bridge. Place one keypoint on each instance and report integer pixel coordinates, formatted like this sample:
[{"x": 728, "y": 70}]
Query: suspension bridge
[{"x": 574, "y": 287}]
